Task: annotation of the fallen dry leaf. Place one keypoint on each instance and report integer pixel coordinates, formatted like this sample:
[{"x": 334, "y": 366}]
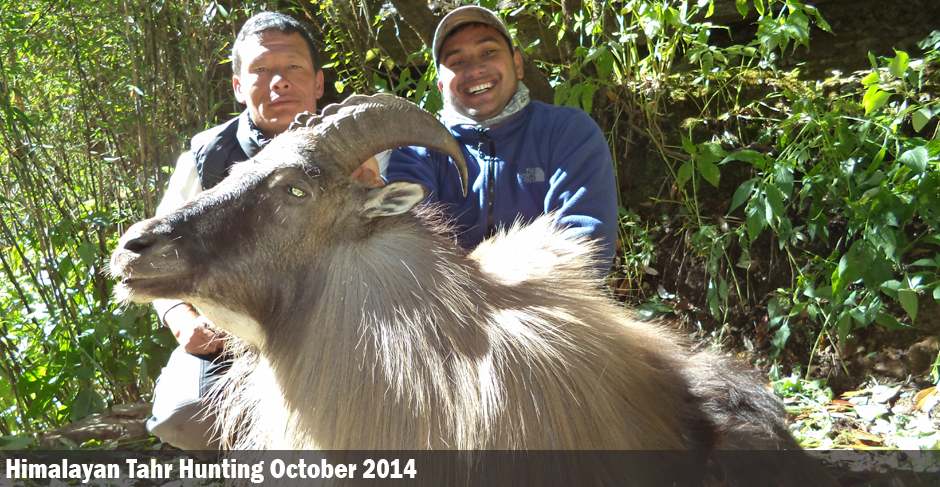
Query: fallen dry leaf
[
  {"x": 838, "y": 405},
  {"x": 922, "y": 399}
]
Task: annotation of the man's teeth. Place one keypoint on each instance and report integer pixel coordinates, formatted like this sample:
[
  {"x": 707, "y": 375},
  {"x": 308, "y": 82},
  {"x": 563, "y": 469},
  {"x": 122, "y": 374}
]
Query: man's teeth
[{"x": 480, "y": 88}]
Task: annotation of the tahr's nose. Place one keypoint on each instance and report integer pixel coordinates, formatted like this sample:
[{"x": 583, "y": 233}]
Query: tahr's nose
[
  {"x": 140, "y": 237},
  {"x": 143, "y": 238}
]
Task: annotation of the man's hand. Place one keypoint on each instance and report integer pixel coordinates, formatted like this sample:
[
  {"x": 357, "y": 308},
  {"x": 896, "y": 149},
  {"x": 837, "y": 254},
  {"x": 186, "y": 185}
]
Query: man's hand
[
  {"x": 368, "y": 174},
  {"x": 193, "y": 330}
]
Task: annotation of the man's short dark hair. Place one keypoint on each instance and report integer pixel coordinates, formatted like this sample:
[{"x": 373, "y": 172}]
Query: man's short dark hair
[{"x": 268, "y": 21}]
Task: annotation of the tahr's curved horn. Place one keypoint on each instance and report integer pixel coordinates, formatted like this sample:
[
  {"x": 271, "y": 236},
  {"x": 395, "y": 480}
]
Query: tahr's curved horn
[{"x": 363, "y": 126}]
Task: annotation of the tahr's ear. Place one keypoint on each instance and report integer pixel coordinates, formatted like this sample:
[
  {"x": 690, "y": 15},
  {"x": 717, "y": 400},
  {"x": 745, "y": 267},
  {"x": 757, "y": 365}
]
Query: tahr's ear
[{"x": 393, "y": 199}]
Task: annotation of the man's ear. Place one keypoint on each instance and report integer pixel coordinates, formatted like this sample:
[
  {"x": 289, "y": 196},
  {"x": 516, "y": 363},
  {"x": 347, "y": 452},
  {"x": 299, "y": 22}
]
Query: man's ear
[
  {"x": 319, "y": 93},
  {"x": 440, "y": 85},
  {"x": 517, "y": 62},
  {"x": 394, "y": 198},
  {"x": 237, "y": 88}
]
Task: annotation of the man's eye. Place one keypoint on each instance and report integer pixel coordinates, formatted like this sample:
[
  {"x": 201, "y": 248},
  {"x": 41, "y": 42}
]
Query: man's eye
[
  {"x": 260, "y": 70},
  {"x": 299, "y": 193}
]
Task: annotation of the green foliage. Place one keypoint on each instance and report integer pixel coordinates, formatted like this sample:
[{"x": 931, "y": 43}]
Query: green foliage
[
  {"x": 848, "y": 193},
  {"x": 852, "y": 200},
  {"x": 96, "y": 102}
]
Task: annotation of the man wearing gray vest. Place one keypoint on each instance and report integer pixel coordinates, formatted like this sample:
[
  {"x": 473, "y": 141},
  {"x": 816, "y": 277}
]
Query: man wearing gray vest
[{"x": 276, "y": 75}]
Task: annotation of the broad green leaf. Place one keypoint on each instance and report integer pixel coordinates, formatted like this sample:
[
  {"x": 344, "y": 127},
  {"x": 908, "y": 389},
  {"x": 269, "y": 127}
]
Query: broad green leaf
[
  {"x": 746, "y": 155},
  {"x": 908, "y": 299},
  {"x": 768, "y": 209},
  {"x": 891, "y": 288},
  {"x": 782, "y": 335},
  {"x": 823, "y": 292},
  {"x": 742, "y": 6},
  {"x": 82, "y": 404},
  {"x": 684, "y": 173},
  {"x": 783, "y": 179},
  {"x": 874, "y": 99},
  {"x": 852, "y": 262},
  {"x": 871, "y": 78},
  {"x": 935, "y": 262},
  {"x": 844, "y": 327},
  {"x": 821, "y": 22},
  {"x": 899, "y": 63},
  {"x": 784, "y": 231},
  {"x": 587, "y": 98},
  {"x": 759, "y": 5},
  {"x": 594, "y": 53},
  {"x": 688, "y": 146},
  {"x": 605, "y": 65},
  {"x": 876, "y": 270},
  {"x": 773, "y": 308},
  {"x": 709, "y": 171},
  {"x": 15, "y": 442},
  {"x": 712, "y": 152},
  {"x": 916, "y": 159},
  {"x": 775, "y": 199},
  {"x": 876, "y": 162},
  {"x": 888, "y": 321},
  {"x": 920, "y": 118},
  {"x": 87, "y": 252},
  {"x": 561, "y": 92},
  {"x": 754, "y": 222},
  {"x": 742, "y": 194},
  {"x": 575, "y": 95}
]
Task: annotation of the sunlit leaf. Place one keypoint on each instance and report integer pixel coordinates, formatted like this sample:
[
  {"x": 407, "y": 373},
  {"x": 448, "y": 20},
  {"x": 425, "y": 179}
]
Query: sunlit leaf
[
  {"x": 871, "y": 78},
  {"x": 920, "y": 118},
  {"x": 899, "y": 63},
  {"x": 759, "y": 5},
  {"x": 916, "y": 159},
  {"x": 874, "y": 99}
]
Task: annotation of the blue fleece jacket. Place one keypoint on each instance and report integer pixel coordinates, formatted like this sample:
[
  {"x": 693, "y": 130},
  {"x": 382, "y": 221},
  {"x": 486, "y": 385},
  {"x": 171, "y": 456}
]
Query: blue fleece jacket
[{"x": 545, "y": 158}]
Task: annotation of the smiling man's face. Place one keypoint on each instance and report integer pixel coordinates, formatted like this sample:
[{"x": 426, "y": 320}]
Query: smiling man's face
[
  {"x": 478, "y": 72},
  {"x": 277, "y": 80}
]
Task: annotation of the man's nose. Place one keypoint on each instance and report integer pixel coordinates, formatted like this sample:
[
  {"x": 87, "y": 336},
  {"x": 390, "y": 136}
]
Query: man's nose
[
  {"x": 279, "y": 82},
  {"x": 476, "y": 67}
]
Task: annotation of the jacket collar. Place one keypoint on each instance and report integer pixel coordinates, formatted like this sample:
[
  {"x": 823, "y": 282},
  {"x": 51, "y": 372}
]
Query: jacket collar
[{"x": 249, "y": 136}]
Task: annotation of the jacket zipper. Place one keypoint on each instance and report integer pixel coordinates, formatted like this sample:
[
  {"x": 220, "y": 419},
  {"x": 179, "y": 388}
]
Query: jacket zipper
[{"x": 491, "y": 182}]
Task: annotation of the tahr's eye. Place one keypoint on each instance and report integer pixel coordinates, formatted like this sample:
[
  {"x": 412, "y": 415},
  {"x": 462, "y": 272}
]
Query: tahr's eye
[{"x": 295, "y": 191}]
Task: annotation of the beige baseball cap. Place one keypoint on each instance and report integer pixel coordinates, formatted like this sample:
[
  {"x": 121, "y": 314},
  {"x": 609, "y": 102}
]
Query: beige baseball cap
[{"x": 467, "y": 15}]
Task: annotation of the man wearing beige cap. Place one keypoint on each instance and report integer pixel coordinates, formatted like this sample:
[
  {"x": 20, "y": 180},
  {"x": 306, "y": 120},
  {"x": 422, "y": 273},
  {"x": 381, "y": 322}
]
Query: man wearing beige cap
[{"x": 524, "y": 158}]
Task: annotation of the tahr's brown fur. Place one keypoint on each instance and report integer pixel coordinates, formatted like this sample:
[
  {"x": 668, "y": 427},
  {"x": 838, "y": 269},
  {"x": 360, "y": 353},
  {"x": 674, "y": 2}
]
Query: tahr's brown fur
[{"x": 364, "y": 326}]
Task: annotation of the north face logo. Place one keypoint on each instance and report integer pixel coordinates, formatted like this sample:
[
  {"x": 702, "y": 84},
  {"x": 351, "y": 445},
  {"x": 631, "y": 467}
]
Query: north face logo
[{"x": 532, "y": 175}]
